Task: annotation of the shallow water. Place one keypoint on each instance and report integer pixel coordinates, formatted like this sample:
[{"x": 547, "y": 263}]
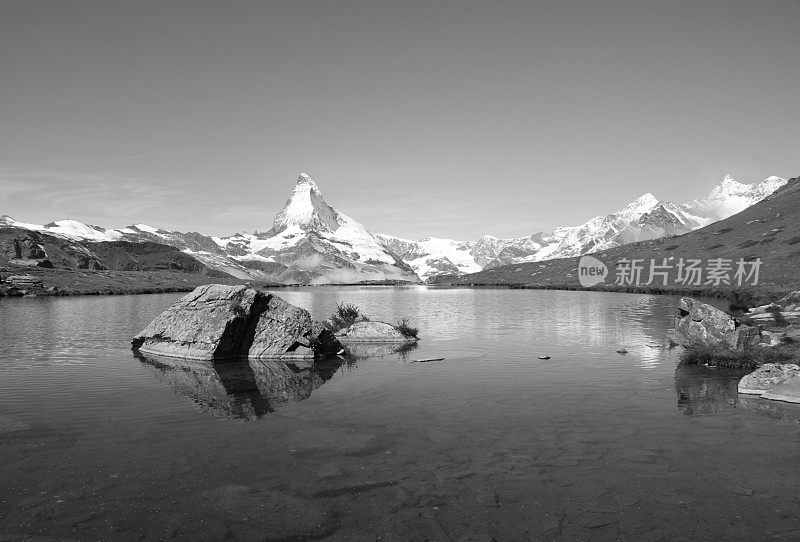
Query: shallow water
[{"x": 491, "y": 442}]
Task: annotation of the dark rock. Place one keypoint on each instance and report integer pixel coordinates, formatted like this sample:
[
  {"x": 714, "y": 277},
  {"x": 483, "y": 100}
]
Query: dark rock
[
  {"x": 217, "y": 321},
  {"x": 700, "y": 324},
  {"x": 209, "y": 323},
  {"x": 286, "y": 331}
]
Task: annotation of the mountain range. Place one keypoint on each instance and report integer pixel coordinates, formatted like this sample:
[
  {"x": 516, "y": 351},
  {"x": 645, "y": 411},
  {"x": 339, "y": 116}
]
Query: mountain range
[
  {"x": 311, "y": 242},
  {"x": 644, "y": 218},
  {"x": 764, "y": 236}
]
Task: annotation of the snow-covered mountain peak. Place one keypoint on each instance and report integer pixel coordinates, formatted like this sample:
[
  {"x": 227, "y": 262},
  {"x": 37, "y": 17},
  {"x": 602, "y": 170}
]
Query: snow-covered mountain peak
[
  {"x": 731, "y": 197},
  {"x": 731, "y": 188},
  {"x": 305, "y": 182},
  {"x": 640, "y": 206},
  {"x": 145, "y": 228},
  {"x": 306, "y": 209}
]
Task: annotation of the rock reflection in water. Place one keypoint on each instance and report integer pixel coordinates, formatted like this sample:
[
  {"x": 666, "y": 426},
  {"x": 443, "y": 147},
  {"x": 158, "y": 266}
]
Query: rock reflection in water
[
  {"x": 245, "y": 388},
  {"x": 357, "y": 351},
  {"x": 704, "y": 391}
]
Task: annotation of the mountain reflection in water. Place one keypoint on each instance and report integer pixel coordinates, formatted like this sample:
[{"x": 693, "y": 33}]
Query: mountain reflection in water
[{"x": 243, "y": 388}]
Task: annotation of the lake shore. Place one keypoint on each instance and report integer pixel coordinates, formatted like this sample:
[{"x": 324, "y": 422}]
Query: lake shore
[{"x": 68, "y": 282}]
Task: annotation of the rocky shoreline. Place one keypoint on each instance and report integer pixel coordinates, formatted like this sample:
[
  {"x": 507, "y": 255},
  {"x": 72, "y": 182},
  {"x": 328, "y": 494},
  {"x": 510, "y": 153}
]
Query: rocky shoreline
[{"x": 763, "y": 340}]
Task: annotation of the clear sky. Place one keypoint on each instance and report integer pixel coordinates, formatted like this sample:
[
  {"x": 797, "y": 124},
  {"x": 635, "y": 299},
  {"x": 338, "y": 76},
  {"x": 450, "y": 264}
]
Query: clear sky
[{"x": 448, "y": 119}]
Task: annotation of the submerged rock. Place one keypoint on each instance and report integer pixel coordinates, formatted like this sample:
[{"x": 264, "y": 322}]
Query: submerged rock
[
  {"x": 700, "y": 324},
  {"x": 766, "y": 377},
  {"x": 259, "y": 514},
  {"x": 368, "y": 331},
  {"x": 216, "y": 321}
]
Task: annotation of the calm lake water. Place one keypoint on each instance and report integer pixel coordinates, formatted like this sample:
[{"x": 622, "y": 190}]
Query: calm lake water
[{"x": 491, "y": 443}]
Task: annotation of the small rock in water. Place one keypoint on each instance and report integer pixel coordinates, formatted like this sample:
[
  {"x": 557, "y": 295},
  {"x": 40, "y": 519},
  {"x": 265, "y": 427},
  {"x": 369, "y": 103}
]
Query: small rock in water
[
  {"x": 544, "y": 357},
  {"x": 739, "y": 490},
  {"x": 622, "y": 351}
]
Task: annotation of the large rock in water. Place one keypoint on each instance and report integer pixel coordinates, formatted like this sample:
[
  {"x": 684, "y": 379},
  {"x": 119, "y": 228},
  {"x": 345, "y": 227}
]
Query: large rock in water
[
  {"x": 700, "y": 324},
  {"x": 767, "y": 377},
  {"x": 367, "y": 331},
  {"x": 216, "y": 321}
]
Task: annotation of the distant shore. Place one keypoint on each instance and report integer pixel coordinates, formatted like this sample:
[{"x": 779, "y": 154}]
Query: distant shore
[
  {"x": 61, "y": 282},
  {"x": 69, "y": 282}
]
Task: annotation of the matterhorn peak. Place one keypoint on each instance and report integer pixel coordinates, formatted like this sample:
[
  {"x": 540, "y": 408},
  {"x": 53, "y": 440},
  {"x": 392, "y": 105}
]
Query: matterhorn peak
[
  {"x": 306, "y": 209},
  {"x": 304, "y": 180}
]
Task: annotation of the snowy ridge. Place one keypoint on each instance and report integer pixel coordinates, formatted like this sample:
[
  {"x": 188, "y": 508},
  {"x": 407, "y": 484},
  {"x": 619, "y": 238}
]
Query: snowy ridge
[{"x": 644, "y": 218}]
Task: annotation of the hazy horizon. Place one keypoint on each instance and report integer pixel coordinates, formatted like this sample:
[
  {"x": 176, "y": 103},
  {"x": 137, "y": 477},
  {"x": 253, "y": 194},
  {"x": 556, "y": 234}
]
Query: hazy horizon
[{"x": 450, "y": 120}]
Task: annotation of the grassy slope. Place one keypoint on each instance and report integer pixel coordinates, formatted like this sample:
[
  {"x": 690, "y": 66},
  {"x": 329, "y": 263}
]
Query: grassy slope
[{"x": 769, "y": 230}]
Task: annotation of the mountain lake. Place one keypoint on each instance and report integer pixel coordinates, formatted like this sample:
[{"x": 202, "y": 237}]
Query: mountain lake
[{"x": 491, "y": 443}]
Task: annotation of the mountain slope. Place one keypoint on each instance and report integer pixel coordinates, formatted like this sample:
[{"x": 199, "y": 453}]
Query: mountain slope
[
  {"x": 768, "y": 231},
  {"x": 29, "y": 248},
  {"x": 644, "y": 218},
  {"x": 199, "y": 247}
]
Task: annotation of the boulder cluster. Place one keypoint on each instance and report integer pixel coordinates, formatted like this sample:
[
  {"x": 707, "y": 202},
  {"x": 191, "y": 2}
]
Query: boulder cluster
[
  {"x": 701, "y": 325},
  {"x": 217, "y": 321}
]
